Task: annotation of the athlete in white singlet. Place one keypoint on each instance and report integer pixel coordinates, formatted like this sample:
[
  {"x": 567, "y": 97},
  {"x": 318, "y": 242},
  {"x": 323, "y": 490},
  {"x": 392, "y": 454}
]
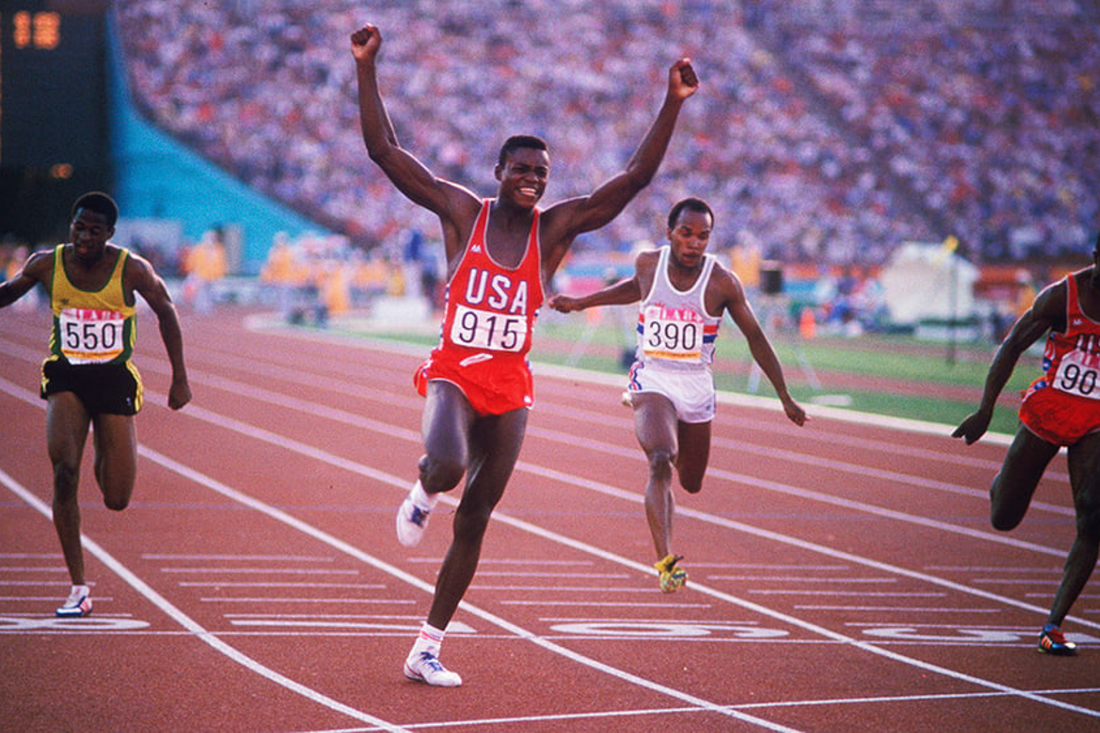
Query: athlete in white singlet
[{"x": 684, "y": 293}]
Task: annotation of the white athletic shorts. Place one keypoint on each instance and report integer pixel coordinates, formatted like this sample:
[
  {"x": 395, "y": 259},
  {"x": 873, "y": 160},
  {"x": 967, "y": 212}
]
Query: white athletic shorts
[{"x": 691, "y": 392}]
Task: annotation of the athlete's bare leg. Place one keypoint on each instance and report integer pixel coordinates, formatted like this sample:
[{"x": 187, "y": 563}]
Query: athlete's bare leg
[
  {"x": 655, "y": 426},
  {"x": 67, "y": 425},
  {"x": 494, "y": 445},
  {"x": 1013, "y": 487},
  {"x": 1084, "y": 476},
  {"x": 445, "y": 428},
  {"x": 115, "y": 438},
  {"x": 693, "y": 456}
]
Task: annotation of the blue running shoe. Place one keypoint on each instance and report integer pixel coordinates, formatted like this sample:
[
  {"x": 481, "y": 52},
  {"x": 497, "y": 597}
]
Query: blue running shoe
[{"x": 1053, "y": 641}]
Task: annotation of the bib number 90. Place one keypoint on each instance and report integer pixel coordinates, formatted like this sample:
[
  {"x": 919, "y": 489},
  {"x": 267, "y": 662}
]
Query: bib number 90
[{"x": 1077, "y": 379}]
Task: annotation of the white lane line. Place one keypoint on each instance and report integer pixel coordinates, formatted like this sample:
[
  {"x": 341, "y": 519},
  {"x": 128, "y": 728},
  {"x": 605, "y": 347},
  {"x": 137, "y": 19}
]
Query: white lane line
[
  {"x": 603, "y": 589},
  {"x": 396, "y": 572},
  {"x": 604, "y": 604},
  {"x": 833, "y": 593},
  {"x": 222, "y": 584},
  {"x": 42, "y": 569},
  {"x": 519, "y": 574},
  {"x": 354, "y": 600},
  {"x": 832, "y": 553},
  {"x": 891, "y": 477},
  {"x": 898, "y": 609},
  {"x": 241, "y": 558},
  {"x": 359, "y": 421},
  {"x": 1005, "y": 569},
  {"x": 818, "y": 496},
  {"x": 194, "y": 627},
  {"x": 356, "y": 420},
  {"x": 54, "y": 556},
  {"x": 232, "y": 424},
  {"x": 796, "y": 579},
  {"x": 260, "y": 571},
  {"x": 226, "y": 422},
  {"x": 891, "y": 701}
]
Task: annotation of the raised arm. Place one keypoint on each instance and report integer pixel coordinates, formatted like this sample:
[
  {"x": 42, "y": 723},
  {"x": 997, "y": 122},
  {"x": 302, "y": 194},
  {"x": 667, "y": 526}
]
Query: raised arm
[
  {"x": 140, "y": 277},
  {"x": 412, "y": 178},
  {"x": 1047, "y": 311},
  {"x": 565, "y": 220}
]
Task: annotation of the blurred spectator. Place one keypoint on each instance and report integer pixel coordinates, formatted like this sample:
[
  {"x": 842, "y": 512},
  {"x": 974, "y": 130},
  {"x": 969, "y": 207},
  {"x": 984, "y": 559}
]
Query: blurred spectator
[
  {"x": 204, "y": 265},
  {"x": 827, "y": 130}
]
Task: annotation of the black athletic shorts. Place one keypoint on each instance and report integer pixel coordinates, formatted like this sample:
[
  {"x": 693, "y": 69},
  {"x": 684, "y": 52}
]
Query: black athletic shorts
[{"x": 111, "y": 389}]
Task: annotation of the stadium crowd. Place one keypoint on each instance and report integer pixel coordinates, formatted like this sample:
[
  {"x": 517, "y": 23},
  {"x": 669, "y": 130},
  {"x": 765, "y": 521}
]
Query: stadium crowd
[{"x": 818, "y": 137}]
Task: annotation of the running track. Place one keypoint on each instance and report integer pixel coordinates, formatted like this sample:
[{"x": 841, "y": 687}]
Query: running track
[{"x": 843, "y": 576}]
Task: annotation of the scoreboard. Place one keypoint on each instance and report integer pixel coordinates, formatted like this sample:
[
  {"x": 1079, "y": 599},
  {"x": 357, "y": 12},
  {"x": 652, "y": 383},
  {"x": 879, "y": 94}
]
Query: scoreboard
[{"x": 54, "y": 133}]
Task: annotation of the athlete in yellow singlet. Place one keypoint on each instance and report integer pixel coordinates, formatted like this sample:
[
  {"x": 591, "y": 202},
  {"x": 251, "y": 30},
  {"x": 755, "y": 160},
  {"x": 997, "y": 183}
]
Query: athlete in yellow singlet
[{"x": 88, "y": 379}]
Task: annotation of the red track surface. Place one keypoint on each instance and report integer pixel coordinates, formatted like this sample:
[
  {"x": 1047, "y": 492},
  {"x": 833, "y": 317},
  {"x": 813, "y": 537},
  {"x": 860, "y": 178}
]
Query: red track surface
[{"x": 843, "y": 576}]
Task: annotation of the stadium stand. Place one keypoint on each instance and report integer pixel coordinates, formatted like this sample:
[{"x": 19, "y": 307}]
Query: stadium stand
[{"x": 828, "y": 131}]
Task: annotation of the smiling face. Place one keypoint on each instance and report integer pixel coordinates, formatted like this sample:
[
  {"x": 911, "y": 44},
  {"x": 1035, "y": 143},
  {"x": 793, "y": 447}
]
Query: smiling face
[
  {"x": 689, "y": 237},
  {"x": 89, "y": 232},
  {"x": 523, "y": 176}
]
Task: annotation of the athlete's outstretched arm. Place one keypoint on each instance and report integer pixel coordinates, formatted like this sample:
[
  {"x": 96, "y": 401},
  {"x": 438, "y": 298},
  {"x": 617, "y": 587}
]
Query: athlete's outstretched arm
[
  {"x": 624, "y": 292},
  {"x": 762, "y": 352},
  {"x": 36, "y": 269},
  {"x": 1046, "y": 312},
  {"x": 142, "y": 279}
]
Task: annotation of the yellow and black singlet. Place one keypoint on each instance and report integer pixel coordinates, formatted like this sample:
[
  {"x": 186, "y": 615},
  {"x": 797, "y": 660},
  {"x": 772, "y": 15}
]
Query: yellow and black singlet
[{"x": 91, "y": 327}]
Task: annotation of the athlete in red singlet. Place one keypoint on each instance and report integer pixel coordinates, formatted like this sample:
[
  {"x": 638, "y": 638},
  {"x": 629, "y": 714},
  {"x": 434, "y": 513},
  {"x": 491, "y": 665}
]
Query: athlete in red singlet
[
  {"x": 487, "y": 325},
  {"x": 1060, "y": 409},
  {"x": 475, "y": 415}
]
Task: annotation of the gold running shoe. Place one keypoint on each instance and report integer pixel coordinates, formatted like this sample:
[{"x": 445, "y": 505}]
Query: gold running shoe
[{"x": 671, "y": 577}]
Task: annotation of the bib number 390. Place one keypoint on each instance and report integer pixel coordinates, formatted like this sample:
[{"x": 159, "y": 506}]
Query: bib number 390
[{"x": 489, "y": 330}]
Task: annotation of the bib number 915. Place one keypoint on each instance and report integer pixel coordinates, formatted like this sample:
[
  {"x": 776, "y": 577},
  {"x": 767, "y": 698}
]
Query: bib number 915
[{"x": 489, "y": 330}]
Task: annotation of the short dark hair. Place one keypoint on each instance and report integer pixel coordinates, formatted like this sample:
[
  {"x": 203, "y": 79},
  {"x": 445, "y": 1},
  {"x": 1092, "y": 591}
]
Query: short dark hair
[
  {"x": 691, "y": 204},
  {"x": 98, "y": 202},
  {"x": 516, "y": 142}
]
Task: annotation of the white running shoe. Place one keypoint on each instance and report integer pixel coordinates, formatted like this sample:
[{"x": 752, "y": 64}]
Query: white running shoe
[
  {"x": 411, "y": 522},
  {"x": 78, "y": 604},
  {"x": 425, "y": 667}
]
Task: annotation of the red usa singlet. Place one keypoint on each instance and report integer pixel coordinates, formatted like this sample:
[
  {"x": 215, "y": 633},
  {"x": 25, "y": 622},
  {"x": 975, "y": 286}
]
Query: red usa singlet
[{"x": 487, "y": 325}]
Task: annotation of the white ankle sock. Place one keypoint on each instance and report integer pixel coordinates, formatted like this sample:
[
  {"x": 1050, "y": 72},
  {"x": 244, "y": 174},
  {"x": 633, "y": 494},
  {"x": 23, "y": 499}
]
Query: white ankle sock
[
  {"x": 429, "y": 640},
  {"x": 423, "y": 499}
]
